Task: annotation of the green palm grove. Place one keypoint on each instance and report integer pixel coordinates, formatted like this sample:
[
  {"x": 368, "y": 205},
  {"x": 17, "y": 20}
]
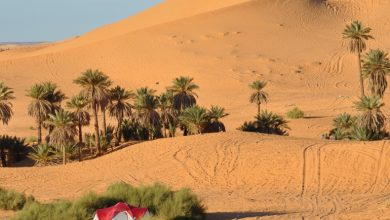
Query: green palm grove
[
  {"x": 370, "y": 123},
  {"x": 139, "y": 115}
]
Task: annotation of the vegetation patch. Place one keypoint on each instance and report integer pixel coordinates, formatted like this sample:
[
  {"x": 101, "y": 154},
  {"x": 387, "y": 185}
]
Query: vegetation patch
[
  {"x": 161, "y": 201},
  {"x": 268, "y": 123},
  {"x": 11, "y": 200},
  {"x": 295, "y": 113}
]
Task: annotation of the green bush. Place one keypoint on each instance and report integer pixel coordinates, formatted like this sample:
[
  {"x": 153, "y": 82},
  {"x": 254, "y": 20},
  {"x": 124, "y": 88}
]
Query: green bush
[
  {"x": 295, "y": 113},
  {"x": 347, "y": 127},
  {"x": 42, "y": 154},
  {"x": 162, "y": 202},
  {"x": 268, "y": 123},
  {"x": 15, "y": 146},
  {"x": 11, "y": 200},
  {"x": 133, "y": 130}
]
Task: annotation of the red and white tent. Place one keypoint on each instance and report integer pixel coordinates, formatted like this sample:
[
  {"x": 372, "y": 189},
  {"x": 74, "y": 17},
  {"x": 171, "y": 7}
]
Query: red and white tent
[{"x": 121, "y": 211}]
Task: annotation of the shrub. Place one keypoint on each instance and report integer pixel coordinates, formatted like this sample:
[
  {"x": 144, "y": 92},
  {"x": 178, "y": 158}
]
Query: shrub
[
  {"x": 11, "y": 200},
  {"x": 295, "y": 113},
  {"x": 43, "y": 155},
  {"x": 133, "y": 130},
  {"x": 161, "y": 201},
  {"x": 361, "y": 134},
  {"x": 349, "y": 127},
  {"x": 267, "y": 122},
  {"x": 15, "y": 146},
  {"x": 71, "y": 152}
]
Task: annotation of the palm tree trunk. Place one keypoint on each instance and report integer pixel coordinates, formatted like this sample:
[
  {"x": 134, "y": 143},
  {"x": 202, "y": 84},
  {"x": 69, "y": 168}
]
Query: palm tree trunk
[
  {"x": 96, "y": 125},
  {"x": 258, "y": 109},
  {"x": 64, "y": 155},
  {"x": 104, "y": 122},
  {"x": 165, "y": 130},
  {"x": 361, "y": 76},
  {"x": 39, "y": 129},
  {"x": 118, "y": 132},
  {"x": 80, "y": 139}
]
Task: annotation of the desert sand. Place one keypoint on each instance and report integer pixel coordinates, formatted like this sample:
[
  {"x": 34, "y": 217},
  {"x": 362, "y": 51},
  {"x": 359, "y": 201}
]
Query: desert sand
[
  {"x": 294, "y": 45},
  {"x": 236, "y": 175}
]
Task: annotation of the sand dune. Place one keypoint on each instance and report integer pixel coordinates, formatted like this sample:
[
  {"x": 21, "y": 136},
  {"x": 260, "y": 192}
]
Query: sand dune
[
  {"x": 294, "y": 45},
  {"x": 290, "y": 44},
  {"x": 236, "y": 172}
]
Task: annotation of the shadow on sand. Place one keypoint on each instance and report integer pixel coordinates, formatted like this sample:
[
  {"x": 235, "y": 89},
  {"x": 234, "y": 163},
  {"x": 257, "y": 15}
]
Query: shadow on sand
[{"x": 240, "y": 215}]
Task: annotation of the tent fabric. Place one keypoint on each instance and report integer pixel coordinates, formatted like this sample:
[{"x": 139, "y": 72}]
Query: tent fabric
[{"x": 120, "y": 211}]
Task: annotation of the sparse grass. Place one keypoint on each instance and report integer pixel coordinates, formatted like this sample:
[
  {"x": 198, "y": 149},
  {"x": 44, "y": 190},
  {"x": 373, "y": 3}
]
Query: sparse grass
[
  {"x": 295, "y": 113},
  {"x": 11, "y": 200},
  {"x": 161, "y": 201}
]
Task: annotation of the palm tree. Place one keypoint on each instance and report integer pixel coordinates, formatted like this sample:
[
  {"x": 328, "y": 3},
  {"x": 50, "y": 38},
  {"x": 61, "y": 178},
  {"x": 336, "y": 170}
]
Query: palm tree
[
  {"x": 79, "y": 106},
  {"x": 55, "y": 97},
  {"x": 42, "y": 155},
  {"x": 345, "y": 121},
  {"x": 344, "y": 124},
  {"x": 6, "y": 95},
  {"x": 258, "y": 96},
  {"x": 194, "y": 118},
  {"x": 39, "y": 107},
  {"x": 183, "y": 93},
  {"x": 371, "y": 116},
  {"x": 119, "y": 108},
  {"x": 103, "y": 104},
  {"x": 167, "y": 113},
  {"x": 357, "y": 35},
  {"x": 147, "y": 105},
  {"x": 270, "y": 123},
  {"x": 214, "y": 115},
  {"x": 63, "y": 132},
  {"x": 376, "y": 66},
  {"x": 95, "y": 85}
]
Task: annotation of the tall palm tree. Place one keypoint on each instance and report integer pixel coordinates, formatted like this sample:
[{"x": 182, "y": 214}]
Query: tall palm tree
[
  {"x": 183, "y": 93},
  {"x": 357, "y": 34},
  {"x": 194, "y": 118},
  {"x": 119, "y": 108},
  {"x": 147, "y": 105},
  {"x": 63, "y": 132},
  {"x": 167, "y": 113},
  {"x": 95, "y": 85},
  {"x": 184, "y": 96},
  {"x": 6, "y": 95},
  {"x": 55, "y": 97},
  {"x": 39, "y": 107},
  {"x": 376, "y": 66},
  {"x": 258, "y": 96},
  {"x": 79, "y": 107},
  {"x": 215, "y": 114},
  {"x": 103, "y": 104},
  {"x": 371, "y": 116}
]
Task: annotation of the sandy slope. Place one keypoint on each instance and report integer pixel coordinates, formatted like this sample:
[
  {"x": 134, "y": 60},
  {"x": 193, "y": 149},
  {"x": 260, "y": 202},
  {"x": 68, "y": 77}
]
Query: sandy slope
[
  {"x": 236, "y": 172},
  {"x": 294, "y": 45}
]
